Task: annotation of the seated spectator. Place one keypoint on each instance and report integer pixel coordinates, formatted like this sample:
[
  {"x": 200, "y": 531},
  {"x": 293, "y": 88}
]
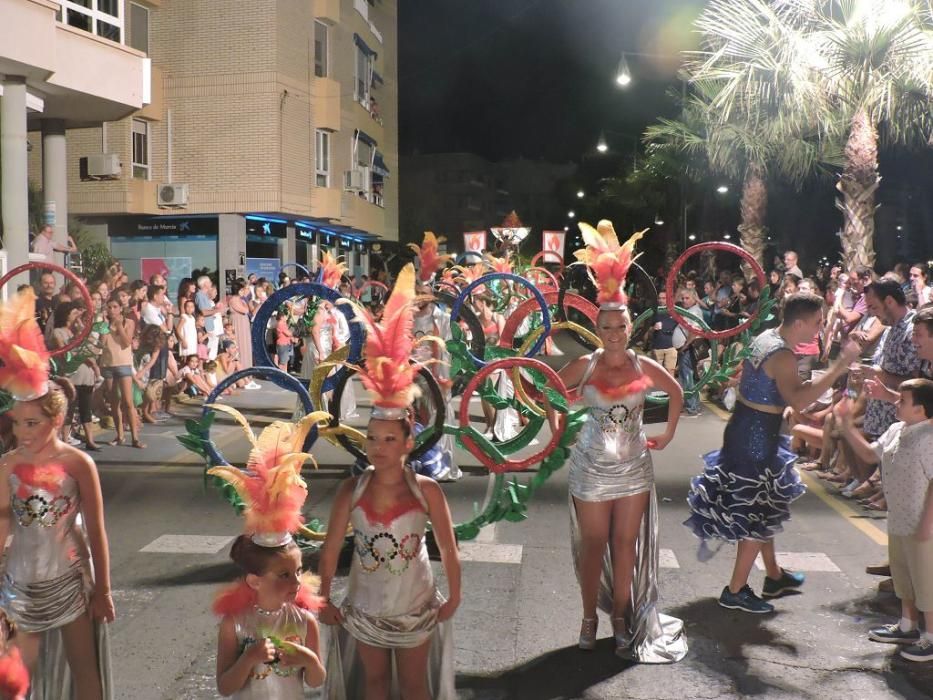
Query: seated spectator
[{"x": 191, "y": 379}]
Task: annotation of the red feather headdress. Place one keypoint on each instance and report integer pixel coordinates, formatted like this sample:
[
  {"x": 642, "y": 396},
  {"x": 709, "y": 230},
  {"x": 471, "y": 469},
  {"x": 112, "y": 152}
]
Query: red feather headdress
[
  {"x": 25, "y": 371},
  {"x": 431, "y": 258},
  {"x": 387, "y": 372},
  {"x": 333, "y": 269},
  {"x": 608, "y": 261}
]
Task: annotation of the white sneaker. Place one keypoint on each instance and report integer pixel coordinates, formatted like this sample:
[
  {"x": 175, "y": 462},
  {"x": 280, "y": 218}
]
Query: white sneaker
[
  {"x": 252, "y": 386},
  {"x": 73, "y": 441}
]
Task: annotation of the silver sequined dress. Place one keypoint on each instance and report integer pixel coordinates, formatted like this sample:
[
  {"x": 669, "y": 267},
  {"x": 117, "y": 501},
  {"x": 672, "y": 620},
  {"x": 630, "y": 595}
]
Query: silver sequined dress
[
  {"x": 610, "y": 460},
  {"x": 272, "y": 681},
  {"x": 48, "y": 576},
  {"x": 392, "y": 600}
]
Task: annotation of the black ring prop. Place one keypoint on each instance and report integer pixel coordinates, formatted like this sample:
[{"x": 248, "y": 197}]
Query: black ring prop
[{"x": 435, "y": 433}]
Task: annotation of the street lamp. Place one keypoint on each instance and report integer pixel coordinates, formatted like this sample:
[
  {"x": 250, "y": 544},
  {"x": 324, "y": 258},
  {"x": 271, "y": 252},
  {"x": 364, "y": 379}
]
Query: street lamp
[
  {"x": 691, "y": 237},
  {"x": 601, "y": 145},
  {"x": 658, "y": 221},
  {"x": 727, "y": 236},
  {"x": 566, "y": 228},
  {"x": 722, "y": 189},
  {"x": 571, "y": 214},
  {"x": 580, "y": 194},
  {"x": 623, "y": 74}
]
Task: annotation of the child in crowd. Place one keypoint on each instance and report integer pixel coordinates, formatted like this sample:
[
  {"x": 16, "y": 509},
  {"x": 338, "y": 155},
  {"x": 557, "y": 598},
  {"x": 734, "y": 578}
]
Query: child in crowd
[
  {"x": 191, "y": 379},
  {"x": 284, "y": 340},
  {"x": 906, "y": 453}
]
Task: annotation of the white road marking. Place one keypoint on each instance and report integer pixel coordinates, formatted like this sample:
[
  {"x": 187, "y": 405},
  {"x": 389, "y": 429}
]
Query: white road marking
[
  {"x": 491, "y": 553},
  {"x": 802, "y": 561},
  {"x": 667, "y": 559},
  {"x": 188, "y": 544},
  {"x": 487, "y": 535}
]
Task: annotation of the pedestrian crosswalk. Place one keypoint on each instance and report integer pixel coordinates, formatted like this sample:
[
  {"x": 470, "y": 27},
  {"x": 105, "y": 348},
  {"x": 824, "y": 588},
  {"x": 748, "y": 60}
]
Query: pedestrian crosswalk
[{"x": 187, "y": 544}]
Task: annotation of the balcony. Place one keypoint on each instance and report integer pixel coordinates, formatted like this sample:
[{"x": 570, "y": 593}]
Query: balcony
[
  {"x": 327, "y": 11},
  {"x": 326, "y": 202},
  {"x": 362, "y": 9},
  {"x": 325, "y": 103},
  {"x": 357, "y": 211}
]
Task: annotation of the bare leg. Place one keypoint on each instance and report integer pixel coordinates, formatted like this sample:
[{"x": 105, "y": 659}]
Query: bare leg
[
  {"x": 377, "y": 665},
  {"x": 772, "y": 570},
  {"x": 81, "y": 651},
  {"x": 413, "y": 672},
  {"x": 627, "y": 514},
  {"x": 126, "y": 388},
  {"x": 745, "y": 555},
  {"x": 116, "y": 413},
  {"x": 28, "y": 644},
  {"x": 594, "y": 521}
]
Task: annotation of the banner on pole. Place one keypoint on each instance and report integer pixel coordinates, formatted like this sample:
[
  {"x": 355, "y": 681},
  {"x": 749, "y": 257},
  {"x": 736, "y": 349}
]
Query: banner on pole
[
  {"x": 552, "y": 244},
  {"x": 474, "y": 242}
]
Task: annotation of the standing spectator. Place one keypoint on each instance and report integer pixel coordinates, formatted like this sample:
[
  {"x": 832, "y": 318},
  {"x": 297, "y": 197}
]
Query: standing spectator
[
  {"x": 186, "y": 290},
  {"x": 790, "y": 265},
  {"x": 238, "y": 304},
  {"x": 157, "y": 311},
  {"x": 919, "y": 283},
  {"x": 116, "y": 366},
  {"x": 43, "y": 244},
  {"x": 67, "y": 322},
  {"x": 213, "y": 319},
  {"x": 685, "y": 342},
  {"x": 808, "y": 353},
  {"x": 284, "y": 340},
  {"x": 186, "y": 331},
  {"x": 45, "y": 299},
  {"x": 662, "y": 337}
]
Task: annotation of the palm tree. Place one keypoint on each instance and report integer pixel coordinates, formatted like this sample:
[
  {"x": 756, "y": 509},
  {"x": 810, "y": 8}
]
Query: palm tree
[
  {"x": 867, "y": 63},
  {"x": 723, "y": 137}
]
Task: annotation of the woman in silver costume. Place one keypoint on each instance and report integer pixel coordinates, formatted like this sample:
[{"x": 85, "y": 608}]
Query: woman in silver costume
[
  {"x": 392, "y": 607},
  {"x": 613, "y": 506},
  {"x": 56, "y": 582}
]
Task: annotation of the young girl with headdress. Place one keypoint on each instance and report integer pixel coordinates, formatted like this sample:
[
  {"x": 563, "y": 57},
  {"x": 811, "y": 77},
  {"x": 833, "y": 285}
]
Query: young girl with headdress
[
  {"x": 613, "y": 506},
  {"x": 56, "y": 580},
  {"x": 268, "y": 642},
  {"x": 392, "y": 607}
]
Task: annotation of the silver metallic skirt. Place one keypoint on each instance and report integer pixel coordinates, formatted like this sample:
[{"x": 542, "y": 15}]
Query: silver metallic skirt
[{"x": 45, "y": 605}]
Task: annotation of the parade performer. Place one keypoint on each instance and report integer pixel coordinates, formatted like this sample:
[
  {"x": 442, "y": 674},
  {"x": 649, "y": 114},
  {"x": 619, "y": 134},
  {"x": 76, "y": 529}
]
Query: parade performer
[
  {"x": 268, "y": 643},
  {"x": 56, "y": 579},
  {"x": 613, "y": 506},
  {"x": 745, "y": 490},
  {"x": 392, "y": 606}
]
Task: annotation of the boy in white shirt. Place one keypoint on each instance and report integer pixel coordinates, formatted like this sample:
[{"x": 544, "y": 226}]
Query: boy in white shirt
[{"x": 906, "y": 453}]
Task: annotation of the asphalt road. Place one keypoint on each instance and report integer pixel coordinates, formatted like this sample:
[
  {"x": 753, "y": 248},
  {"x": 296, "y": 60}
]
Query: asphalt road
[{"x": 516, "y": 630}]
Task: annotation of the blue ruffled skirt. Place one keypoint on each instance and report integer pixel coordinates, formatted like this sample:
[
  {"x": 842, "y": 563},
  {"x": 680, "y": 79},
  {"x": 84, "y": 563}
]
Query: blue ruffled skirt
[{"x": 745, "y": 491}]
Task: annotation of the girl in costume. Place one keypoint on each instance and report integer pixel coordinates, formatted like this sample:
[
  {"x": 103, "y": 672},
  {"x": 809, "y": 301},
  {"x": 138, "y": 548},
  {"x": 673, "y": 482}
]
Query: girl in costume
[
  {"x": 56, "y": 580},
  {"x": 613, "y": 506},
  {"x": 268, "y": 643},
  {"x": 392, "y": 607}
]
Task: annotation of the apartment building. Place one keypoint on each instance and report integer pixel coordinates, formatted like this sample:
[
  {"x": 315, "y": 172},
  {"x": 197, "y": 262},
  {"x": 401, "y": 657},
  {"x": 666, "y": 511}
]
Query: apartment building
[
  {"x": 272, "y": 130},
  {"x": 63, "y": 66}
]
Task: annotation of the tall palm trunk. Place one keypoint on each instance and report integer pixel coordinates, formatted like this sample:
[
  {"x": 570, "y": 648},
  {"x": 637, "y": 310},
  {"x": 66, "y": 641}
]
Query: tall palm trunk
[
  {"x": 858, "y": 184},
  {"x": 754, "y": 208}
]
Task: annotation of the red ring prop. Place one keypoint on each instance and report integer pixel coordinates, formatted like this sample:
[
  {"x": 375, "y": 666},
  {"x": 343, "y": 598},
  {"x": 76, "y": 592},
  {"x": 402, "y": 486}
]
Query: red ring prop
[
  {"x": 672, "y": 279},
  {"x": 74, "y": 279},
  {"x": 573, "y": 301},
  {"x": 371, "y": 283},
  {"x": 541, "y": 254},
  {"x": 508, "y": 465},
  {"x": 552, "y": 282}
]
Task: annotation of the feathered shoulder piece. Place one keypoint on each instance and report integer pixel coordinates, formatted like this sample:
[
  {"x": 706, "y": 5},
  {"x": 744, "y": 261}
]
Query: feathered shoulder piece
[
  {"x": 387, "y": 372},
  {"x": 429, "y": 254},
  {"x": 607, "y": 261},
  {"x": 238, "y": 597},
  {"x": 332, "y": 270},
  {"x": 25, "y": 371},
  {"x": 271, "y": 487}
]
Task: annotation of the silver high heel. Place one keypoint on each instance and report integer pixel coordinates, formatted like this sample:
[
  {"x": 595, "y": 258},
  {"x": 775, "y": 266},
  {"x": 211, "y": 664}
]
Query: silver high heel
[{"x": 588, "y": 633}]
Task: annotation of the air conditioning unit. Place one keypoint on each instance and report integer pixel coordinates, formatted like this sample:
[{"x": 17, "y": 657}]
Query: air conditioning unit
[
  {"x": 354, "y": 180},
  {"x": 171, "y": 195},
  {"x": 101, "y": 166}
]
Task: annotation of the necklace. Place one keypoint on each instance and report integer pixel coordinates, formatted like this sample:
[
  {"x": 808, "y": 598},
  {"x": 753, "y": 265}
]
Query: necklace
[{"x": 268, "y": 613}]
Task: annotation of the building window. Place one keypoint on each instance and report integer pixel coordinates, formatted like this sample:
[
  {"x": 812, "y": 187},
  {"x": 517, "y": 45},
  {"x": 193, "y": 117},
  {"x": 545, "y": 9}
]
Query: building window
[
  {"x": 140, "y": 149},
  {"x": 101, "y": 17},
  {"x": 320, "y": 49},
  {"x": 363, "y": 76},
  {"x": 322, "y": 158},
  {"x": 138, "y": 27}
]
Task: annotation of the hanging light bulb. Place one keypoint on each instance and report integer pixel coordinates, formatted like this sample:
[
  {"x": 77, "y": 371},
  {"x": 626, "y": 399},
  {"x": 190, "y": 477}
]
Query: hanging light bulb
[
  {"x": 601, "y": 145},
  {"x": 623, "y": 74},
  {"x": 658, "y": 221}
]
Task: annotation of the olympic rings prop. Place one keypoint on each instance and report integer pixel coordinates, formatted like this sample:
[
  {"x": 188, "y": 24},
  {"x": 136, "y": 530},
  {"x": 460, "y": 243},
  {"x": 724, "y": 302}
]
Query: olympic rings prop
[
  {"x": 486, "y": 279},
  {"x": 424, "y": 441},
  {"x": 469, "y": 317},
  {"x": 489, "y": 456},
  {"x": 523, "y": 388},
  {"x": 74, "y": 279},
  {"x": 281, "y": 379},
  {"x": 562, "y": 299},
  {"x": 672, "y": 280},
  {"x": 297, "y": 266},
  {"x": 540, "y": 254},
  {"x": 261, "y": 356}
]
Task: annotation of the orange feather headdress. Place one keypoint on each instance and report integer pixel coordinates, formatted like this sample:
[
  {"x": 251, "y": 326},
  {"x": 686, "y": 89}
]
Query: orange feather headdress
[
  {"x": 332, "y": 270},
  {"x": 271, "y": 487},
  {"x": 608, "y": 261},
  {"x": 25, "y": 371},
  {"x": 388, "y": 373},
  {"x": 431, "y": 258}
]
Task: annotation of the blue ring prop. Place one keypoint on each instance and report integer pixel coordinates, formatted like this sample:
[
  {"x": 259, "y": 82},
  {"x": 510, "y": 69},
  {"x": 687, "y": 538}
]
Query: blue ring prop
[
  {"x": 485, "y": 279},
  {"x": 469, "y": 258},
  {"x": 298, "y": 266},
  {"x": 261, "y": 356},
  {"x": 281, "y": 379}
]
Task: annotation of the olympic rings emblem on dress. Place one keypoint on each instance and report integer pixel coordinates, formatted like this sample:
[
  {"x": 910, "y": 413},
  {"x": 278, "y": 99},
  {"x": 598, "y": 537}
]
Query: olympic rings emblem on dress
[
  {"x": 305, "y": 289},
  {"x": 85, "y": 297},
  {"x": 486, "y": 279},
  {"x": 672, "y": 280},
  {"x": 281, "y": 379}
]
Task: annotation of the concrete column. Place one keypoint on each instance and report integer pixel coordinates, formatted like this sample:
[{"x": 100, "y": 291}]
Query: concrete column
[
  {"x": 314, "y": 253},
  {"x": 364, "y": 263},
  {"x": 231, "y": 250},
  {"x": 55, "y": 180},
  {"x": 287, "y": 248},
  {"x": 15, "y": 189}
]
